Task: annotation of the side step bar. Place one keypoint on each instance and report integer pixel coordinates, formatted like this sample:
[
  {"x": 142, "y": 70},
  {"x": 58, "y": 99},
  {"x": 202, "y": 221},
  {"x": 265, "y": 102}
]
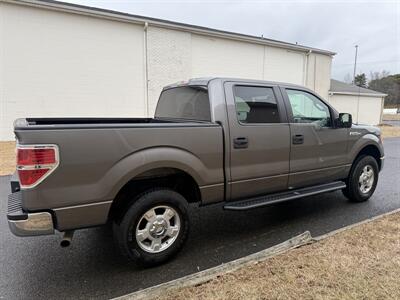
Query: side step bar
[{"x": 285, "y": 196}]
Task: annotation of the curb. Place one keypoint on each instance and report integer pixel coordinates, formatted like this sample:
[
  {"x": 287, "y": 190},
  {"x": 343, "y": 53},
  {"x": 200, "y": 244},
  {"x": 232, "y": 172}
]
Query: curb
[{"x": 209, "y": 274}]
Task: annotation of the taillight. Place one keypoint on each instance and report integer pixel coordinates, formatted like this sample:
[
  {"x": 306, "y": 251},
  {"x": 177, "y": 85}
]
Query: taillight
[{"x": 35, "y": 163}]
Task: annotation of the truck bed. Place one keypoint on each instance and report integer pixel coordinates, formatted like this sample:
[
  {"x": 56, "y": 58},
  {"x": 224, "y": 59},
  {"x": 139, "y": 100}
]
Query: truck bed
[
  {"x": 98, "y": 154},
  {"x": 71, "y": 121}
]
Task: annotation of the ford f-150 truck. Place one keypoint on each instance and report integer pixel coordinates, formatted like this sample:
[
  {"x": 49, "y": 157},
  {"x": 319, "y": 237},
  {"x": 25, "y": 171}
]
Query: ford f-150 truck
[{"x": 244, "y": 143}]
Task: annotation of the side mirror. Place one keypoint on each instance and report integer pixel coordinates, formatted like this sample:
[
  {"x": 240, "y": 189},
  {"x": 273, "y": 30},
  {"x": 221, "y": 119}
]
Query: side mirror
[{"x": 345, "y": 120}]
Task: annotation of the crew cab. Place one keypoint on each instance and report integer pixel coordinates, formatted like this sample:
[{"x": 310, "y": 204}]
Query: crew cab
[{"x": 244, "y": 143}]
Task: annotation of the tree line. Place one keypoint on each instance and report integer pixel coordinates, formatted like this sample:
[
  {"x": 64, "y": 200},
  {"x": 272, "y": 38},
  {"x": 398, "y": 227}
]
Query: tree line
[{"x": 382, "y": 82}]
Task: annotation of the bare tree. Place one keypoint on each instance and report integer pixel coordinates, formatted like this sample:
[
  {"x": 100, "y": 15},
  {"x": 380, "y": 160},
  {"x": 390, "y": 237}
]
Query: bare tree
[
  {"x": 378, "y": 75},
  {"x": 388, "y": 84},
  {"x": 347, "y": 78}
]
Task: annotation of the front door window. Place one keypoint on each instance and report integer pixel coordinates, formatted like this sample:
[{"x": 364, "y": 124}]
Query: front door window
[{"x": 307, "y": 108}]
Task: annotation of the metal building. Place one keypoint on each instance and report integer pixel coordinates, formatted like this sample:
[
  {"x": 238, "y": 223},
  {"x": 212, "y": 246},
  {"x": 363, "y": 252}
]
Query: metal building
[
  {"x": 365, "y": 105},
  {"x": 60, "y": 59}
]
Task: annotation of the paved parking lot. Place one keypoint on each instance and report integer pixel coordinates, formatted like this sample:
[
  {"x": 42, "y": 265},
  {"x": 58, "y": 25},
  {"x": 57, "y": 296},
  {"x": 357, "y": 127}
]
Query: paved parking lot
[{"x": 38, "y": 268}]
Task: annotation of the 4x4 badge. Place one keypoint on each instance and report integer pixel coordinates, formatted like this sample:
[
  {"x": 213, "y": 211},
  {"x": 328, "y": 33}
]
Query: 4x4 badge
[{"x": 354, "y": 133}]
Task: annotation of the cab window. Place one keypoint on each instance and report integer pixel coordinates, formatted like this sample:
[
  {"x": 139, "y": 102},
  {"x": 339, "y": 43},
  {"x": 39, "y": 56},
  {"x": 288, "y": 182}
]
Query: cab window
[
  {"x": 184, "y": 103},
  {"x": 306, "y": 108},
  {"x": 256, "y": 104}
]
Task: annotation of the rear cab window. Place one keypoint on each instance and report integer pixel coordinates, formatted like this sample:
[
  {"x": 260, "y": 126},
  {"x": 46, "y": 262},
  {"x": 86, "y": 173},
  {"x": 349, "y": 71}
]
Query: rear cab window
[{"x": 184, "y": 103}]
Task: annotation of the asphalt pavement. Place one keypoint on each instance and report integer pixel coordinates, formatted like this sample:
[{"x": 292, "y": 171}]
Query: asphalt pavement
[{"x": 37, "y": 267}]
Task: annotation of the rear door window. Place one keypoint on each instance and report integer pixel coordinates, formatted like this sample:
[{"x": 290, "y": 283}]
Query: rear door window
[{"x": 256, "y": 104}]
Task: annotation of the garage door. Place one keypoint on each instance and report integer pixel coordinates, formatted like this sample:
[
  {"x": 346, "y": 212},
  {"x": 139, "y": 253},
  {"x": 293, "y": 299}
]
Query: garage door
[
  {"x": 370, "y": 110},
  {"x": 345, "y": 104}
]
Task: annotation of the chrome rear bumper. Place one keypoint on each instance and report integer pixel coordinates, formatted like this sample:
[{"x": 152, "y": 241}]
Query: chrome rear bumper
[{"x": 27, "y": 224}]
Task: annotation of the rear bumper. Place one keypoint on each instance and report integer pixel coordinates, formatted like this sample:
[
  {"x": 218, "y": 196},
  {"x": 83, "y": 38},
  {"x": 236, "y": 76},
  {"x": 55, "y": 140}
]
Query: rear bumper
[
  {"x": 27, "y": 224},
  {"x": 382, "y": 162}
]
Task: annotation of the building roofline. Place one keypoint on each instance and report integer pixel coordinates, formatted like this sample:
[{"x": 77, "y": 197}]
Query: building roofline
[
  {"x": 342, "y": 88},
  {"x": 126, "y": 17}
]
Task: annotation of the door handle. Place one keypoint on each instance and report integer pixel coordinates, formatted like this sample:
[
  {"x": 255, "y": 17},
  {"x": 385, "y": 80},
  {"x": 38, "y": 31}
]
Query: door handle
[
  {"x": 240, "y": 143},
  {"x": 298, "y": 139}
]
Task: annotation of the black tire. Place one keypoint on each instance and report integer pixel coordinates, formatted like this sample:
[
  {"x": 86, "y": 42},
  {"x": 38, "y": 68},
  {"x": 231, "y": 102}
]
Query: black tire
[
  {"x": 125, "y": 228},
  {"x": 353, "y": 190}
]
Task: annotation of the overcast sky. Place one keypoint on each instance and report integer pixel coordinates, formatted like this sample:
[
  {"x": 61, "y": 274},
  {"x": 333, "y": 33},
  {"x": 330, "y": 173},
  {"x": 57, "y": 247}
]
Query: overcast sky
[{"x": 332, "y": 25}]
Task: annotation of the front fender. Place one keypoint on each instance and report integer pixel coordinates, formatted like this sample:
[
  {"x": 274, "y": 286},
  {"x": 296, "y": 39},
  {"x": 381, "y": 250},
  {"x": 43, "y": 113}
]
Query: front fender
[{"x": 366, "y": 140}]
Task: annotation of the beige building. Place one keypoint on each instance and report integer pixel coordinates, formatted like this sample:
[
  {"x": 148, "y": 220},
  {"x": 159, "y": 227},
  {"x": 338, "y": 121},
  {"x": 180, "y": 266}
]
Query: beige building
[
  {"x": 365, "y": 105},
  {"x": 68, "y": 60}
]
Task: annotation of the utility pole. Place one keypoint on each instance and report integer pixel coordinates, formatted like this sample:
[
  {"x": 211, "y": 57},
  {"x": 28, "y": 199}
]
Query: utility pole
[{"x": 355, "y": 66}]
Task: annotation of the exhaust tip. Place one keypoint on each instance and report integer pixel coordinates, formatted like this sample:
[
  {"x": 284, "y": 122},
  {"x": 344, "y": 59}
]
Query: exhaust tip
[
  {"x": 65, "y": 243},
  {"x": 67, "y": 239}
]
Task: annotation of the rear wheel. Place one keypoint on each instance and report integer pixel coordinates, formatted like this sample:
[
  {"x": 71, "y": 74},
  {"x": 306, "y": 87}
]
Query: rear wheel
[
  {"x": 154, "y": 227},
  {"x": 362, "y": 179}
]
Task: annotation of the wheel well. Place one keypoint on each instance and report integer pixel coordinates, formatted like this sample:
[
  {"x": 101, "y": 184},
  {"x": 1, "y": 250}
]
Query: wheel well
[
  {"x": 372, "y": 151},
  {"x": 171, "y": 178}
]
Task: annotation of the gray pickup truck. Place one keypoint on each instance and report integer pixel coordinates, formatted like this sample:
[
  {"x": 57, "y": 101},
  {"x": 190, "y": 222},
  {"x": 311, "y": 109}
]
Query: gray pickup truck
[{"x": 244, "y": 143}]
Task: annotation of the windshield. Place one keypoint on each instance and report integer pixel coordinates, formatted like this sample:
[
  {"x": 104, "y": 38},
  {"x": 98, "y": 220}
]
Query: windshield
[{"x": 186, "y": 102}]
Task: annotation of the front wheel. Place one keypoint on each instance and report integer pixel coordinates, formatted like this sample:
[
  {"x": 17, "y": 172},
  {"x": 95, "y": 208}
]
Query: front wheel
[
  {"x": 154, "y": 227},
  {"x": 362, "y": 179}
]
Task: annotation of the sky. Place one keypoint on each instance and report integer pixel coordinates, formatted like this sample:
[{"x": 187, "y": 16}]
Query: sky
[{"x": 331, "y": 25}]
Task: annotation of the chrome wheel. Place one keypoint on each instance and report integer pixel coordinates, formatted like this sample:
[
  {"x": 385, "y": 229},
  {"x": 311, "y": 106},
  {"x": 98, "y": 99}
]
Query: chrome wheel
[
  {"x": 158, "y": 229},
  {"x": 366, "y": 179}
]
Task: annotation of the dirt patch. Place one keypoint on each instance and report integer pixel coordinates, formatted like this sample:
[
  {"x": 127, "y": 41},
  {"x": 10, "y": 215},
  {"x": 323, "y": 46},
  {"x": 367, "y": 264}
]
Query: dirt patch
[
  {"x": 391, "y": 117},
  {"x": 389, "y": 131},
  {"x": 7, "y": 158},
  {"x": 359, "y": 263}
]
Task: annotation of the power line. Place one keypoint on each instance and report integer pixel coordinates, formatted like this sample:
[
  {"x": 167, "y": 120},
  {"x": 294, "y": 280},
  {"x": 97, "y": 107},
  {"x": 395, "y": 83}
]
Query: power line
[{"x": 369, "y": 62}]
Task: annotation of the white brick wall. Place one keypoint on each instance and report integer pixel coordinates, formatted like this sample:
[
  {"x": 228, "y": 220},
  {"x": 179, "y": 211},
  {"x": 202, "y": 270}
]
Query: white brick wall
[
  {"x": 175, "y": 56},
  {"x": 319, "y": 74},
  {"x": 169, "y": 60},
  {"x": 284, "y": 65},
  {"x": 226, "y": 58},
  {"x": 59, "y": 64}
]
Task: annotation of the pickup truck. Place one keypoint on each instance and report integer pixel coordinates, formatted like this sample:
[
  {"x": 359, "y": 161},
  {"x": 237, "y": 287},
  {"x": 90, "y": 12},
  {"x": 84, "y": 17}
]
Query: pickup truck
[{"x": 244, "y": 143}]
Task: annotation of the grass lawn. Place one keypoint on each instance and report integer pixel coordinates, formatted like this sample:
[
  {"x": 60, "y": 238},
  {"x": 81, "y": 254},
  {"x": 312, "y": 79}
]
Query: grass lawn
[
  {"x": 7, "y": 158},
  {"x": 391, "y": 117},
  {"x": 389, "y": 131},
  {"x": 359, "y": 263}
]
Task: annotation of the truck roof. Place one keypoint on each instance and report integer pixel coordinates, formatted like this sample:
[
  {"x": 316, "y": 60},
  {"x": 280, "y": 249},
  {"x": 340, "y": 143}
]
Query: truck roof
[{"x": 204, "y": 81}]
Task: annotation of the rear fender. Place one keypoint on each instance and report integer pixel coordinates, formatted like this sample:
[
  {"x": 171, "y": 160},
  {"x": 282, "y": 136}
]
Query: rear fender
[{"x": 153, "y": 158}]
